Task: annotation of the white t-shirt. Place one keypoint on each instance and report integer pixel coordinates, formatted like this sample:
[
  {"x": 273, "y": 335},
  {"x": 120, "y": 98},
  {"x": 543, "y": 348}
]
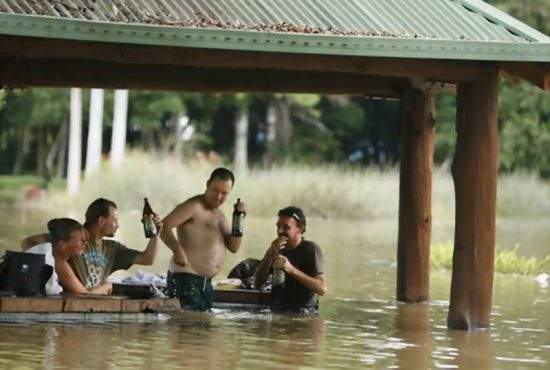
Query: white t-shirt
[{"x": 52, "y": 286}]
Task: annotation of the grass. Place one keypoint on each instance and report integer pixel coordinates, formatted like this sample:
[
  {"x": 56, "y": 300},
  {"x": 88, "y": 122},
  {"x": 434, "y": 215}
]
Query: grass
[
  {"x": 17, "y": 188},
  {"x": 506, "y": 261},
  {"x": 327, "y": 191},
  {"x": 12, "y": 187}
]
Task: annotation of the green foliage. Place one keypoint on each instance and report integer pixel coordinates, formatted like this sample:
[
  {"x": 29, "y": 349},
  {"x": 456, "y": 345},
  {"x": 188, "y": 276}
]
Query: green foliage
[
  {"x": 2, "y": 97},
  {"x": 535, "y": 13},
  {"x": 506, "y": 261},
  {"x": 445, "y": 133},
  {"x": 147, "y": 109},
  {"x": 525, "y": 129}
]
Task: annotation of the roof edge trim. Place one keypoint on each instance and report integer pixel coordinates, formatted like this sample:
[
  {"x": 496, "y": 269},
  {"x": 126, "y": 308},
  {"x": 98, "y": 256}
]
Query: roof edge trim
[
  {"x": 49, "y": 27},
  {"x": 498, "y": 15}
]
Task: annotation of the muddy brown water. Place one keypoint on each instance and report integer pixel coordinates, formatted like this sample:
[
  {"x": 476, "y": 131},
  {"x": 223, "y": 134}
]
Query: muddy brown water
[{"x": 360, "y": 324}]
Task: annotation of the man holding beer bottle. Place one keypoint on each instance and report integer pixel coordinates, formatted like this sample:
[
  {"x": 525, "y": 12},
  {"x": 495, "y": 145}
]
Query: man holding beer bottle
[
  {"x": 296, "y": 263},
  {"x": 102, "y": 256},
  {"x": 203, "y": 235}
]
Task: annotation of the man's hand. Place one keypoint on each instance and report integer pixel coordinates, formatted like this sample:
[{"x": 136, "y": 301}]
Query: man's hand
[
  {"x": 240, "y": 206},
  {"x": 158, "y": 223},
  {"x": 281, "y": 262},
  {"x": 276, "y": 246},
  {"x": 180, "y": 258}
]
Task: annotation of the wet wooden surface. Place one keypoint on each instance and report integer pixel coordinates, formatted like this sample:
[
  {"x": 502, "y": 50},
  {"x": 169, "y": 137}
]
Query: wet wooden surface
[{"x": 84, "y": 303}]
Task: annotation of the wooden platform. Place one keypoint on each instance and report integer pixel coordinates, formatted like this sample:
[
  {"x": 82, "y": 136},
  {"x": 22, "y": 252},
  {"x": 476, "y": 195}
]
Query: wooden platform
[
  {"x": 83, "y": 304},
  {"x": 95, "y": 303}
]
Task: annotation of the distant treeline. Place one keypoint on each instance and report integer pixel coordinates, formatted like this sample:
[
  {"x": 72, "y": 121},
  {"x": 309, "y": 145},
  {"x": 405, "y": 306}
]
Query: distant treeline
[{"x": 281, "y": 128}]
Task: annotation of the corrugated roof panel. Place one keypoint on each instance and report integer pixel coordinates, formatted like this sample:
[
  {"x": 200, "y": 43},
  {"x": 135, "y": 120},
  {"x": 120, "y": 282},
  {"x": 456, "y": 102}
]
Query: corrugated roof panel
[
  {"x": 451, "y": 29},
  {"x": 431, "y": 19}
]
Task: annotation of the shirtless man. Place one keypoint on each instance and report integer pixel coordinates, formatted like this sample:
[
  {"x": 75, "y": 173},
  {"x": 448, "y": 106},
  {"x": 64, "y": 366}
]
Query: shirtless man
[{"x": 203, "y": 235}]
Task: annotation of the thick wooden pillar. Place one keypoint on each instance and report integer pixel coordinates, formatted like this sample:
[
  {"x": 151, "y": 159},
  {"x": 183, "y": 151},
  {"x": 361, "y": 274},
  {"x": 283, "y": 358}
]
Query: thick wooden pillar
[
  {"x": 474, "y": 172},
  {"x": 415, "y": 196}
]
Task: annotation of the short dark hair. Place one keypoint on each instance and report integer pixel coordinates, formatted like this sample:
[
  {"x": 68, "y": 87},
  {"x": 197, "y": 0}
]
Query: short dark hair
[
  {"x": 98, "y": 208},
  {"x": 295, "y": 213},
  {"x": 61, "y": 228},
  {"x": 222, "y": 173}
]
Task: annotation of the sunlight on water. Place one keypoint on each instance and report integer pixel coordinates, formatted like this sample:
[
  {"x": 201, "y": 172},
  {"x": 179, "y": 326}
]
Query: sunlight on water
[{"x": 360, "y": 324}]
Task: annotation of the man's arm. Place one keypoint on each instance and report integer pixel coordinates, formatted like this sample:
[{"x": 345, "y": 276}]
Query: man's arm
[
  {"x": 147, "y": 257},
  {"x": 314, "y": 283},
  {"x": 71, "y": 284},
  {"x": 178, "y": 216},
  {"x": 33, "y": 240},
  {"x": 262, "y": 271}
]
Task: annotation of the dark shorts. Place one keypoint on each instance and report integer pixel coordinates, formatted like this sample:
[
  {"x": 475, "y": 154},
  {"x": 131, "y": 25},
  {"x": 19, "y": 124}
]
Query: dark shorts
[{"x": 194, "y": 292}]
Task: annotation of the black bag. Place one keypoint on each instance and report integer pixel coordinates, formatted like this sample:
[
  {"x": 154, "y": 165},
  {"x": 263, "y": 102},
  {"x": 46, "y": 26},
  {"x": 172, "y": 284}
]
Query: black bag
[
  {"x": 244, "y": 270},
  {"x": 24, "y": 274},
  {"x": 134, "y": 291}
]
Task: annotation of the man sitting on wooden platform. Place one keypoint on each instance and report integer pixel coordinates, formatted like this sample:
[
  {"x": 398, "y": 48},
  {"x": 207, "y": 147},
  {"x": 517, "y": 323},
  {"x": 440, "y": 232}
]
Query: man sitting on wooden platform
[{"x": 101, "y": 256}]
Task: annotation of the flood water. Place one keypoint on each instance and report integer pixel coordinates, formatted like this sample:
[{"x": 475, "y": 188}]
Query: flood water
[{"x": 360, "y": 324}]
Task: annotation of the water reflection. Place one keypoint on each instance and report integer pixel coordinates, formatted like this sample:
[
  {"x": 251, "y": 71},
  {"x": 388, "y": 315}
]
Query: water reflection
[
  {"x": 413, "y": 323},
  {"x": 471, "y": 349},
  {"x": 223, "y": 340},
  {"x": 360, "y": 324}
]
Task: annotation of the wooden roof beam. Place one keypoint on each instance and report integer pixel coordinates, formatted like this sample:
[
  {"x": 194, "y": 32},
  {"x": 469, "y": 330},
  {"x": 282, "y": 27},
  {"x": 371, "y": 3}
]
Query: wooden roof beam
[
  {"x": 423, "y": 69},
  {"x": 78, "y": 73},
  {"x": 536, "y": 73}
]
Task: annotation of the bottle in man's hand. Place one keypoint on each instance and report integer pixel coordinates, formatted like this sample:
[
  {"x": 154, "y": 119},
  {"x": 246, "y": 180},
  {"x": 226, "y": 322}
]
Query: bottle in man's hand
[
  {"x": 149, "y": 226},
  {"x": 238, "y": 220}
]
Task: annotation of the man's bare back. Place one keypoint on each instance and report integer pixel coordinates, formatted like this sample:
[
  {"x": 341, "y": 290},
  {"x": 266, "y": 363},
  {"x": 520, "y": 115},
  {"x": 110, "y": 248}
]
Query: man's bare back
[{"x": 201, "y": 237}]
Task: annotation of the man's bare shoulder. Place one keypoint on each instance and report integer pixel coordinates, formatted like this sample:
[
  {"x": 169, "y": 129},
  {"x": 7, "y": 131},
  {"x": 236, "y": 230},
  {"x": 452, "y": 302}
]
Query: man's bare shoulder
[
  {"x": 187, "y": 208},
  {"x": 193, "y": 203}
]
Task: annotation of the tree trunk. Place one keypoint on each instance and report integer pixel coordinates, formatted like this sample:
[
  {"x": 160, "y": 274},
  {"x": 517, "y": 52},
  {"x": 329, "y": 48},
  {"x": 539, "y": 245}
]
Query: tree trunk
[
  {"x": 62, "y": 154},
  {"x": 285, "y": 123},
  {"x": 415, "y": 197},
  {"x": 75, "y": 142},
  {"x": 22, "y": 138},
  {"x": 95, "y": 128},
  {"x": 55, "y": 151},
  {"x": 240, "y": 161},
  {"x": 271, "y": 132},
  {"x": 474, "y": 172},
  {"x": 41, "y": 137},
  {"x": 118, "y": 139}
]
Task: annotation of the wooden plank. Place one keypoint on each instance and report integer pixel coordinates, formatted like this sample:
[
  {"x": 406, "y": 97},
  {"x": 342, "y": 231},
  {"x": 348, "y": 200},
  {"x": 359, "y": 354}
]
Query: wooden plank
[
  {"x": 31, "y": 304},
  {"x": 150, "y": 305},
  {"x": 536, "y": 73},
  {"x": 424, "y": 69},
  {"x": 415, "y": 196},
  {"x": 74, "y": 73},
  {"x": 242, "y": 296},
  {"x": 474, "y": 171},
  {"x": 78, "y": 304}
]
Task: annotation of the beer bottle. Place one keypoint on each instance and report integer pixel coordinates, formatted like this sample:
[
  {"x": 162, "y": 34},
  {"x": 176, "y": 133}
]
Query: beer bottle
[
  {"x": 149, "y": 226},
  {"x": 238, "y": 220},
  {"x": 277, "y": 288}
]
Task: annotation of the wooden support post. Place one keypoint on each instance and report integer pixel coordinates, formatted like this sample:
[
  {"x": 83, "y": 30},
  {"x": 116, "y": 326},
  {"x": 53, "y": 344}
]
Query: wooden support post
[
  {"x": 415, "y": 196},
  {"x": 474, "y": 172}
]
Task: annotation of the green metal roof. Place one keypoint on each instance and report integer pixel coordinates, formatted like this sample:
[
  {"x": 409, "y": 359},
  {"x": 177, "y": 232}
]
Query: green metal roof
[{"x": 437, "y": 29}]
